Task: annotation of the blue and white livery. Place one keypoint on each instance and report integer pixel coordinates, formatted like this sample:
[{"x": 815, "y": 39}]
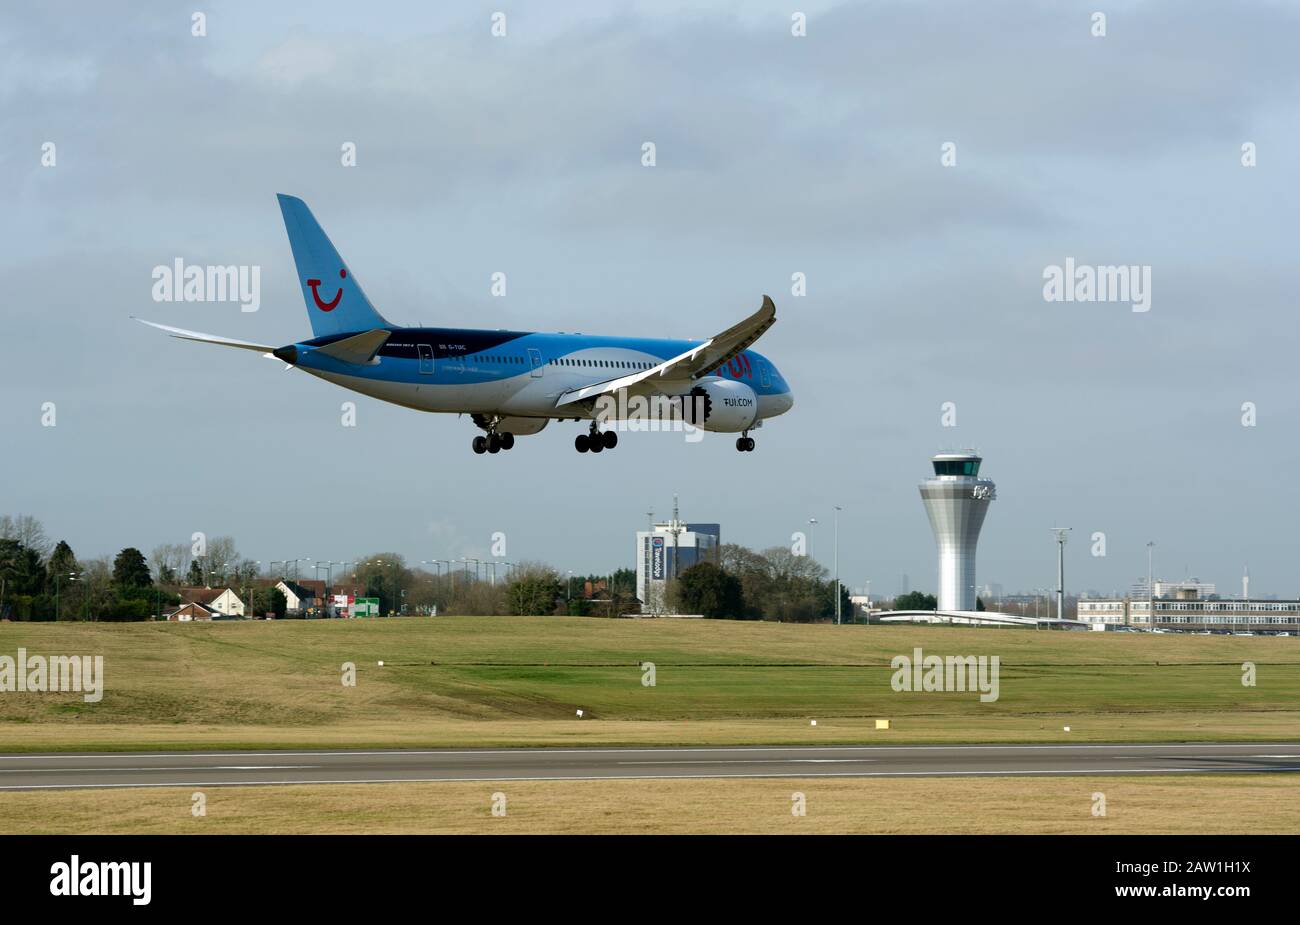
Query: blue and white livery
[{"x": 513, "y": 383}]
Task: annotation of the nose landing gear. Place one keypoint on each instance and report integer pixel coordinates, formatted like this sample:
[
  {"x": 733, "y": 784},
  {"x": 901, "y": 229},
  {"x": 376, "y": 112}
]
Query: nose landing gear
[{"x": 745, "y": 443}]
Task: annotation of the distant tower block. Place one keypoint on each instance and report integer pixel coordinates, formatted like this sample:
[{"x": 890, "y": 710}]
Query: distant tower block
[{"x": 956, "y": 500}]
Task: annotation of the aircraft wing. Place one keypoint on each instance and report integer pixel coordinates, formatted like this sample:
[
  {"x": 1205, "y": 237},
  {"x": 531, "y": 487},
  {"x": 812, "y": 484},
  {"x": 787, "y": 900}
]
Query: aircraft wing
[
  {"x": 681, "y": 369},
  {"x": 207, "y": 338}
]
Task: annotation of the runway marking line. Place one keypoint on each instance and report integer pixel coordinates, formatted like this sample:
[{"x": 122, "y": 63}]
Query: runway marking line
[
  {"x": 656, "y": 749},
  {"x": 480, "y": 780}
]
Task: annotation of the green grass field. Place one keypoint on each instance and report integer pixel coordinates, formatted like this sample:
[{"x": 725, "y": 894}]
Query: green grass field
[
  {"x": 1200, "y": 804},
  {"x": 520, "y": 680}
]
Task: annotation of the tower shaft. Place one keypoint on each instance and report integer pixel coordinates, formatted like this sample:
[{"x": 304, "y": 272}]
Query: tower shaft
[{"x": 956, "y": 500}]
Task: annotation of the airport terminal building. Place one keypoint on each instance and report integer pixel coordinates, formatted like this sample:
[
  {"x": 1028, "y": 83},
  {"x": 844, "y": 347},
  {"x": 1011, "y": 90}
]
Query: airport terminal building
[{"x": 1190, "y": 614}]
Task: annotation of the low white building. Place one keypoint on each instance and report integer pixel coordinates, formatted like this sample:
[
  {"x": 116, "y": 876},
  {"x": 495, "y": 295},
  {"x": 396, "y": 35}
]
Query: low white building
[
  {"x": 1191, "y": 614},
  {"x": 297, "y": 597},
  {"x": 222, "y": 600}
]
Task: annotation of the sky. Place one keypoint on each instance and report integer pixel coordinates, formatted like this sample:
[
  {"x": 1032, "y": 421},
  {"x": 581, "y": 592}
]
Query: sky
[{"x": 822, "y": 154}]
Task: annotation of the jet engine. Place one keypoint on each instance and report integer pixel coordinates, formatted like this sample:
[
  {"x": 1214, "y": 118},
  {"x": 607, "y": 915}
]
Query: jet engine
[{"x": 720, "y": 405}]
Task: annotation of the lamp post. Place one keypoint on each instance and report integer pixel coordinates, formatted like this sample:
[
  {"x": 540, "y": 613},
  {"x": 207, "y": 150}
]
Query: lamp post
[
  {"x": 1151, "y": 588},
  {"x": 85, "y": 596},
  {"x": 837, "y": 565},
  {"x": 1061, "y": 536},
  {"x": 379, "y": 578},
  {"x": 72, "y": 576},
  {"x": 328, "y": 566},
  {"x": 812, "y": 531}
]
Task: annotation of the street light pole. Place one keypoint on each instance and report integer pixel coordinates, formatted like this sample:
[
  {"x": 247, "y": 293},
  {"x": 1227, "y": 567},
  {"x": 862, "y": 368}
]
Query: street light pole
[
  {"x": 1061, "y": 535},
  {"x": 812, "y": 532},
  {"x": 837, "y": 565},
  {"x": 1151, "y": 589}
]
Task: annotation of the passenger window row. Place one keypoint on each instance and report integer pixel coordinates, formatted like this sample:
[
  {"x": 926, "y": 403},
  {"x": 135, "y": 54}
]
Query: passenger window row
[{"x": 604, "y": 364}]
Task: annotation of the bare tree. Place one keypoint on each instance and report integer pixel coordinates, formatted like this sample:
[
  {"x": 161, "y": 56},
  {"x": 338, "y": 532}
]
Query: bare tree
[
  {"x": 169, "y": 561},
  {"x": 27, "y": 530},
  {"x": 222, "y": 557},
  {"x": 656, "y": 593}
]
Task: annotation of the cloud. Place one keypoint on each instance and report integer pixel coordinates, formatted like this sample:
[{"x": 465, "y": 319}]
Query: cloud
[{"x": 775, "y": 155}]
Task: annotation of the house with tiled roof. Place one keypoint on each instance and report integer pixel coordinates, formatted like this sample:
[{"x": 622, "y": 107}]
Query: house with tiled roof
[{"x": 223, "y": 600}]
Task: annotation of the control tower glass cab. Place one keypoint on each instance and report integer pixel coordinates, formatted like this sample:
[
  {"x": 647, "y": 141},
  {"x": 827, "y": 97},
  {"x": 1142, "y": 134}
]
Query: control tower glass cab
[{"x": 956, "y": 500}]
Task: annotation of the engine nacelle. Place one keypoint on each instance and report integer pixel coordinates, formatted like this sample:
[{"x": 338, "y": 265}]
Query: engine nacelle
[{"x": 727, "y": 407}]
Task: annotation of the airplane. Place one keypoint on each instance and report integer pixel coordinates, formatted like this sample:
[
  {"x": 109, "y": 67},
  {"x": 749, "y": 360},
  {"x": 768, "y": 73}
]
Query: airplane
[{"x": 514, "y": 383}]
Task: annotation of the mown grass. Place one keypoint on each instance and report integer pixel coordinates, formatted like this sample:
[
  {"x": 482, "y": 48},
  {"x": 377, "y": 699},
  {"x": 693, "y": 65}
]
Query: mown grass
[
  {"x": 1199, "y": 804},
  {"x": 521, "y": 680}
]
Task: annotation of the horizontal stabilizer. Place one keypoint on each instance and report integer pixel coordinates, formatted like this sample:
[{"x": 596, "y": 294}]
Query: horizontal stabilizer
[
  {"x": 207, "y": 338},
  {"x": 359, "y": 348}
]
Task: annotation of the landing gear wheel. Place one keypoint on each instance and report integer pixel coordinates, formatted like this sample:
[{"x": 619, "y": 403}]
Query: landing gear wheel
[
  {"x": 507, "y": 441},
  {"x": 493, "y": 443},
  {"x": 596, "y": 444},
  {"x": 480, "y": 444},
  {"x": 580, "y": 443},
  {"x": 610, "y": 438},
  {"x": 745, "y": 444}
]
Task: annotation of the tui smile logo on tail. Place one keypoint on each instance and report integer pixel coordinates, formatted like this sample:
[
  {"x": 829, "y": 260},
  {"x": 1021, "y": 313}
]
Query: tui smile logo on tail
[{"x": 332, "y": 303}]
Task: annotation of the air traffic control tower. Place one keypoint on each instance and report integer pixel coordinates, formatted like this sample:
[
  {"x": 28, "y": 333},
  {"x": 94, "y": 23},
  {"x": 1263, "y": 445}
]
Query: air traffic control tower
[{"x": 956, "y": 500}]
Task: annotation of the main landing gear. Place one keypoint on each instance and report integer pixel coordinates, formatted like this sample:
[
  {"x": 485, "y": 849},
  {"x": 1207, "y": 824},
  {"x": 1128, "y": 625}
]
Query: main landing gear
[
  {"x": 745, "y": 443},
  {"x": 595, "y": 441},
  {"x": 493, "y": 442}
]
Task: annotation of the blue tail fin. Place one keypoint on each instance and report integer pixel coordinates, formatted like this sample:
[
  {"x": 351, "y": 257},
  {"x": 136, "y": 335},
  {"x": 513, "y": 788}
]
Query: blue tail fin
[{"x": 335, "y": 302}]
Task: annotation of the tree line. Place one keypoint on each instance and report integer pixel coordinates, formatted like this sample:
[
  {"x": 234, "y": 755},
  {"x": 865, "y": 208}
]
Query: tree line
[
  {"x": 775, "y": 584},
  {"x": 41, "y": 580}
]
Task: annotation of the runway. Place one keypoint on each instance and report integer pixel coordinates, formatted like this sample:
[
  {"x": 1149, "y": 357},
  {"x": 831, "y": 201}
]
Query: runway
[{"x": 246, "y": 768}]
